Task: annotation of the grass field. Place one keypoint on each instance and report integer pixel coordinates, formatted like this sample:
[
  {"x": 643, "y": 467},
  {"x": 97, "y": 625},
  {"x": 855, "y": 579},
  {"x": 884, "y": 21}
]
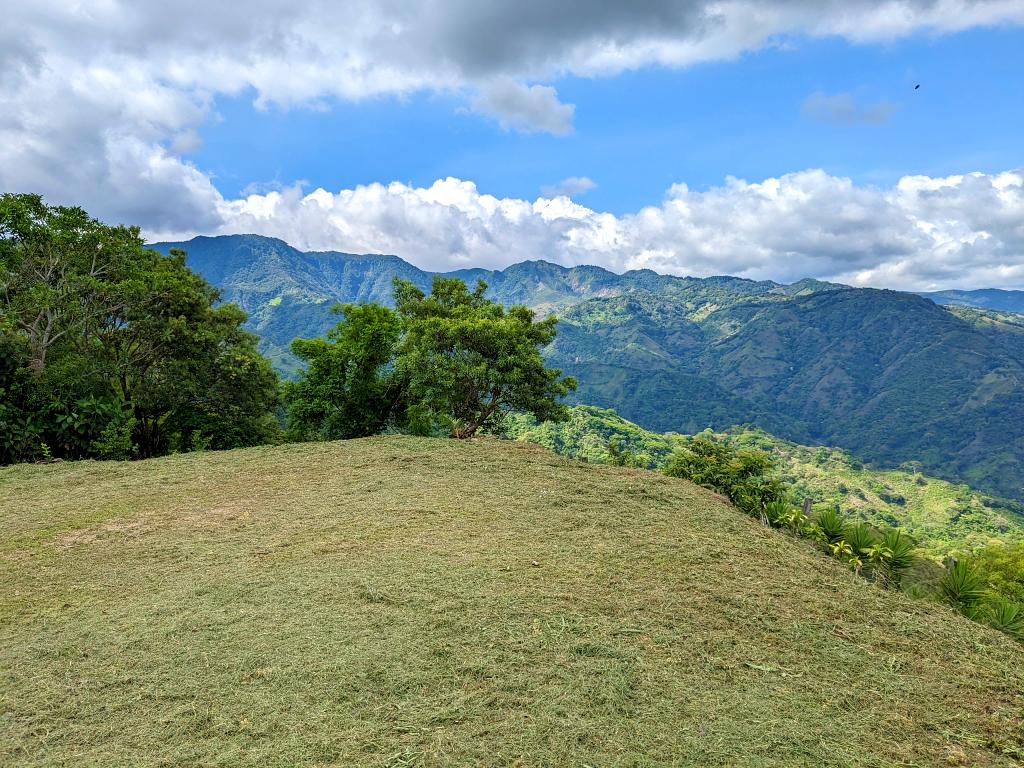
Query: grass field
[{"x": 399, "y": 601}]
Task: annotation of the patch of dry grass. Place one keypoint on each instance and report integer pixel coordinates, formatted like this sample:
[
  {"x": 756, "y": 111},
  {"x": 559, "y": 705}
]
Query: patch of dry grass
[{"x": 398, "y": 601}]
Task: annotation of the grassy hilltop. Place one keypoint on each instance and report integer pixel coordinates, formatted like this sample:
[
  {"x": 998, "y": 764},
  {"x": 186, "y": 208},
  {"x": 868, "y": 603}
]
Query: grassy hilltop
[{"x": 401, "y": 601}]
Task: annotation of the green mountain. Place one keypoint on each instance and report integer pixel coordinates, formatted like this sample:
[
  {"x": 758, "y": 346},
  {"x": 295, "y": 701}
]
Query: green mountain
[
  {"x": 289, "y": 293},
  {"x": 891, "y": 377},
  {"x": 943, "y": 517}
]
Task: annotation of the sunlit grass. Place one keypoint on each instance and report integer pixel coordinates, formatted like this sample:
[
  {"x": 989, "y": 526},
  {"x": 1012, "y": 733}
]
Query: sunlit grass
[{"x": 397, "y": 601}]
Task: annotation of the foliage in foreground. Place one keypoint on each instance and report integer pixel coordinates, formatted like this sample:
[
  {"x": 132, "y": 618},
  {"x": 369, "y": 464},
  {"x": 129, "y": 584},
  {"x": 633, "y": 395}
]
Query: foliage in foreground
[
  {"x": 748, "y": 477},
  {"x": 452, "y": 361},
  {"x": 111, "y": 350}
]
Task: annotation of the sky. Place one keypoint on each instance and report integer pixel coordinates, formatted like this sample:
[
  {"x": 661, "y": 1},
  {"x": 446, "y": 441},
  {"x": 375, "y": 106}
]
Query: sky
[{"x": 778, "y": 139}]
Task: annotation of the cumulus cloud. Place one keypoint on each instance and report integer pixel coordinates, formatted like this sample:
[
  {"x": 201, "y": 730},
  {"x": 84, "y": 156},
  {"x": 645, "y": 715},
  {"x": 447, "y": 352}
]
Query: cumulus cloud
[
  {"x": 570, "y": 187},
  {"x": 100, "y": 100},
  {"x": 840, "y": 109},
  {"x": 528, "y": 108},
  {"x": 923, "y": 233}
]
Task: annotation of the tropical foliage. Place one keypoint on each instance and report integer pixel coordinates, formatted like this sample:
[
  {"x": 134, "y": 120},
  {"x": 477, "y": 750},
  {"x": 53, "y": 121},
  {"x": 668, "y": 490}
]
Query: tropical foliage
[
  {"x": 944, "y": 518},
  {"x": 889, "y": 376},
  {"x": 111, "y": 350},
  {"x": 451, "y": 361},
  {"x": 348, "y": 388},
  {"x": 761, "y": 476}
]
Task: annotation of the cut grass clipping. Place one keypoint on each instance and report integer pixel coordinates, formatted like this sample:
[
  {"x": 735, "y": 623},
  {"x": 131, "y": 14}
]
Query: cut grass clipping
[{"x": 399, "y": 601}]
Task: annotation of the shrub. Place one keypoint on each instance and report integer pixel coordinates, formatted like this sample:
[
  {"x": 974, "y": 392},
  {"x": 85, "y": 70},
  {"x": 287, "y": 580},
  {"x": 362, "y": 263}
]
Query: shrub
[
  {"x": 829, "y": 526},
  {"x": 745, "y": 475},
  {"x": 1004, "y": 615},
  {"x": 962, "y": 586}
]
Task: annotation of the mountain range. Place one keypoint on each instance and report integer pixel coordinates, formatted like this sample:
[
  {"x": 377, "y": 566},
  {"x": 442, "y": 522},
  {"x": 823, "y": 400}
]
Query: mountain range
[{"x": 891, "y": 377}]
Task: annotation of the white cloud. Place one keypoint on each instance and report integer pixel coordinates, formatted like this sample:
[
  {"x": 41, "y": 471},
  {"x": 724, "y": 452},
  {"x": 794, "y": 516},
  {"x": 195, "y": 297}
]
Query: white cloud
[
  {"x": 923, "y": 233},
  {"x": 100, "y": 100},
  {"x": 570, "y": 187},
  {"x": 840, "y": 109}
]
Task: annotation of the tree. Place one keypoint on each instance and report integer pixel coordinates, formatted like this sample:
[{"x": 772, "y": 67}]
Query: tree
[
  {"x": 745, "y": 475},
  {"x": 104, "y": 336},
  {"x": 348, "y": 388},
  {"x": 1002, "y": 566},
  {"x": 465, "y": 360}
]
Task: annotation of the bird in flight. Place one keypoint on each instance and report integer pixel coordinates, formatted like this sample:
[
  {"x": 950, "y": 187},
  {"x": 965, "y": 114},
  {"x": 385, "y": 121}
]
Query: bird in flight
[{"x": 917, "y": 86}]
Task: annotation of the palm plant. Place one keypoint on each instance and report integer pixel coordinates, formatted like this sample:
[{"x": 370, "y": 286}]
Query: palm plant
[
  {"x": 829, "y": 526},
  {"x": 898, "y": 557},
  {"x": 860, "y": 537},
  {"x": 842, "y": 550},
  {"x": 1006, "y": 616},
  {"x": 776, "y": 511},
  {"x": 782, "y": 513},
  {"x": 962, "y": 587}
]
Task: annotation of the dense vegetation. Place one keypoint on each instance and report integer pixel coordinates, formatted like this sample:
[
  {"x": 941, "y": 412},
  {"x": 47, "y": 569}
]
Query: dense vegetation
[
  {"x": 452, "y": 362},
  {"x": 889, "y": 376},
  {"x": 111, "y": 350},
  {"x": 986, "y": 298},
  {"x": 398, "y": 601}
]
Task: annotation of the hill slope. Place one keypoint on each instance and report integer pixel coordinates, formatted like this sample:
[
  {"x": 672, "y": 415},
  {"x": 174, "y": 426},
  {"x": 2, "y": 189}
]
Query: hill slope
[
  {"x": 943, "y": 518},
  {"x": 398, "y": 601},
  {"x": 889, "y": 376}
]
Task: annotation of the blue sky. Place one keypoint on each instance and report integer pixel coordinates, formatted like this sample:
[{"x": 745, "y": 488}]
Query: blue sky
[
  {"x": 637, "y": 133},
  {"x": 775, "y": 139}
]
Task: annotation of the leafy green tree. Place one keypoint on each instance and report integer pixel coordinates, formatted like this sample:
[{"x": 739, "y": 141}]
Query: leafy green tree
[
  {"x": 103, "y": 337},
  {"x": 1002, "y": 567},
  {"x": 745, "y": 475},
  {"x": 348, "y": 388},
  {"x": 466, "y": 361}
]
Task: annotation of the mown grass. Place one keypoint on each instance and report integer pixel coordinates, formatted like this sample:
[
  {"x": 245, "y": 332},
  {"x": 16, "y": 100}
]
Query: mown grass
[{"x": 400, "y": 601}]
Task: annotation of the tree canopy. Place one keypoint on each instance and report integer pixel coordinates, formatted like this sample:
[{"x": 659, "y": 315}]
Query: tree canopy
[
  {"x": 113, "y": 350},
  {"x": 452, "y": 361}
]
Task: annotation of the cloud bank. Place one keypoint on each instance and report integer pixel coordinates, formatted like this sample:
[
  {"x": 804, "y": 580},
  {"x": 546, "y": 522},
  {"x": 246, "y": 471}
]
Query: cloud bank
[
  {"x": 101, "y": 99},
  {"x": 923, "y": 233}
]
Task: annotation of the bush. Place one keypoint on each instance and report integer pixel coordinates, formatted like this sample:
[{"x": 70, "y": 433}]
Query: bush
[
  {"x": 962, "y": 587},
  {"x": 1004, "y": 615},
  {"x": 745, "y": 475}
]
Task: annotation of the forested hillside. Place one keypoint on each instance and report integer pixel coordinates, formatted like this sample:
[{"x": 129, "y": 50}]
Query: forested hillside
[
  {"x": 891, "y": 377},
  {"x": 289, "y": 293},
  {"x": 986, "y": 298}
]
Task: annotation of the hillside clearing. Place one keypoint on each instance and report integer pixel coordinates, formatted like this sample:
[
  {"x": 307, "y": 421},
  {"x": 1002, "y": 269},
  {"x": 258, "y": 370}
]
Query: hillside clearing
[{"x": 400, "y": 601}]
